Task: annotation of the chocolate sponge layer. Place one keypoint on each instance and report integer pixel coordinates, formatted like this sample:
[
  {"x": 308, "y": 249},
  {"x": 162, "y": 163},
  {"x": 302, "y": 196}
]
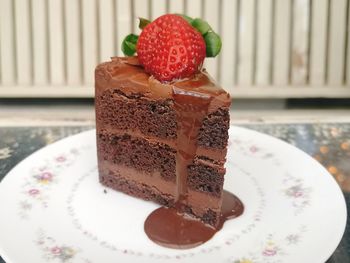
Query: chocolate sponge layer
[
  {"x": 115, "y": 180},
  {"x": 157, "y": 118},
  {"x": 205, "y": 175}
]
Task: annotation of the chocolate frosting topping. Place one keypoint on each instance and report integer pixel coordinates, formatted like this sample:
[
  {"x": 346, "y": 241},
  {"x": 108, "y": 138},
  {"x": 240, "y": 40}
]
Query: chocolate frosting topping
[{"x": 127, "y": 74}]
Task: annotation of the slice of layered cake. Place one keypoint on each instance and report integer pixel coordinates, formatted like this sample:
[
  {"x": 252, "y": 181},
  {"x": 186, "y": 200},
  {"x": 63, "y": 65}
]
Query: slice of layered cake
[
  {"x": 137, "y": 137},
  {"x": 162, "y": 126}
]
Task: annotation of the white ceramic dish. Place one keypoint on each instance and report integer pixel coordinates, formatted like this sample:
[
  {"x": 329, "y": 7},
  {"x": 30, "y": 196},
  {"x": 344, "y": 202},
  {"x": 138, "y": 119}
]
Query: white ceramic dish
[{"x": 54, "y": 210}]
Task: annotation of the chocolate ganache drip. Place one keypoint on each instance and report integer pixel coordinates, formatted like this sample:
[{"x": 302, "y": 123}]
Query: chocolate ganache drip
[{"x": 173, "y": 227}]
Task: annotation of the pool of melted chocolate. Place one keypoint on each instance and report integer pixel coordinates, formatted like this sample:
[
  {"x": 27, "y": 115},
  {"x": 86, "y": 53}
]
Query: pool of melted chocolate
[{"x": 172, "y": 227}]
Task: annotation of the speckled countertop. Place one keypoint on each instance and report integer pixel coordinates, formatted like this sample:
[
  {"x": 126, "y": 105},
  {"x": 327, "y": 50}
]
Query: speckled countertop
[{"x": 329, "y": 143}]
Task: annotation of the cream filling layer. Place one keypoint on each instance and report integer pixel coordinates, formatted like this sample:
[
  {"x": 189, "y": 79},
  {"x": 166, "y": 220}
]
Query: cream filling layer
[{"x": 200, "y": 202}]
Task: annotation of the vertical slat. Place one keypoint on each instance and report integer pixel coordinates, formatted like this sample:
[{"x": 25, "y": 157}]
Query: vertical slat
[
  {"x": 123, "y": 22},
  {"x": 107, "y": 32},
  {"x": 23, "y": 42},
  {"x": 40, "y": 48},
  {"x": 193, "y": 8},
  {"x": 211, "y": 14},
  {"x": 140, "y": 10},
  {"x": 318, "y": 47},
  {"x": 176, "y": 6},
  {"x": 282, "y": 37},
  {"x": 300, "y": 44},
  {"x": 264, "y": 42},
  {"x": 56, "y": 39},
  {"x": 8, "y": 53},
  {"x": 73, "y": 41},
  {"x": 158, "y": 8},
  {"x": 229, "y": 28},
  {"x": 246, "y": 42},
  {"x": 89, "y": 39},
  {"x": 347, "y": 80},
  {"x": 336, "y": 46},
  {"x": 0, "y": 61}
]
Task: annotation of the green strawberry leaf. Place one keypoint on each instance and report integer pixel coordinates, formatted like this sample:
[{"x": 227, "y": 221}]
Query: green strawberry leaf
[
  {"x": 143, "y": 23},
  {"x": 213, "y": 44},
  {"x": 202, "y": 26},
  {"x": 187, "y": 18},
  {"x": 129, "y": 44}
]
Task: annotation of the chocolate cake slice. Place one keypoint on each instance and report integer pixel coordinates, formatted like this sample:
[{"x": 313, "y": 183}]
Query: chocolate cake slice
[{"x": 139, "y": 140}]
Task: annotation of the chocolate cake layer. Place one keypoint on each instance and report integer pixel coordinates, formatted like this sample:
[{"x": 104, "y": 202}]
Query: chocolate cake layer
[
  {"x": 205, "y": 175},
  {"x": 140, "y": 185},
  {"x": 157, "y": 118},
  {"x": 211, "y": 153},
  {"x": 138, "y": 153}
]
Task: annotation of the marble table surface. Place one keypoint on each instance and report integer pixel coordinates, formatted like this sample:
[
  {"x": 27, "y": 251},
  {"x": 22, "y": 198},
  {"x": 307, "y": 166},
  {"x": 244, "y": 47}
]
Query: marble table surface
[{"x": 329, "y": 143}]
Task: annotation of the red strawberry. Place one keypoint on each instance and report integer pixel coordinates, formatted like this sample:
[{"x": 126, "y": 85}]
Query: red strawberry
[{"x": 170, "y": 48}]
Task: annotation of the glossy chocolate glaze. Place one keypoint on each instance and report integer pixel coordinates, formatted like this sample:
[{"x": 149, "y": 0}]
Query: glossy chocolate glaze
[
  {"x": 169, "y": 227},
  {"x": 172, "y": 227},
  {"x": 191, "y": 108}
]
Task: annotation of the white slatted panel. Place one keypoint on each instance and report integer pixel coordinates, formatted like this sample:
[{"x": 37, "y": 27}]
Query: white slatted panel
[
  {"x": 347, "y": 80},
  {"x": 7, "y": 46},
  {"x": 40, "y": 43},
  {"x": 89, "y": 40},
  {"x": 123, "y": 22},
  {"x": 23, "y": 42},
  {"x": 318, "y": 49},
  {"x": 51, "y": 47},
  {"x": 176, "y": 6},
  {"x": 246, "y": 42},
  {"x": 300, "y": 44},
  {"x": 73, "y": 42},
  {"x": 141, "y": 9},
  {"x": 0, "y": 62},
  {"x": 158, "y": 8},
  {"x": 264, "y": 42},
  {"x": 211, "y": 14},
  {"x": 194, "y": 8},
  {"x": 56, "y": 40},
  {"x": 106, "y": 29},
  {"x": 336, "y": 51},
  {"x": 281, "y": 50},
  {"x": 229, "y": 37}
]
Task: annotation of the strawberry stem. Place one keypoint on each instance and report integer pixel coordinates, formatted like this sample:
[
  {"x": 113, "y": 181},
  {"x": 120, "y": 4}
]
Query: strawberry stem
[
  {"x": 202, "y": 26},
  {"x": 212, "y": 40},
  {"x": 213, "y": 44},
  {"x": 143, "y": 22},
  {"x": 129, "y": 44}
]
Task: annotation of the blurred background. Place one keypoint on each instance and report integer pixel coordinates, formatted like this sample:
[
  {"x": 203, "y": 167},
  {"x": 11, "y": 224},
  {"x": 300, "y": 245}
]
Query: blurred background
[{"x": 280, "y": 58}]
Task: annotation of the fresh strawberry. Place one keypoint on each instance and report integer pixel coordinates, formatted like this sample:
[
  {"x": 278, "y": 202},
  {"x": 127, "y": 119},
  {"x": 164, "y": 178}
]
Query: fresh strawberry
[{"x": 169, "y": 48}]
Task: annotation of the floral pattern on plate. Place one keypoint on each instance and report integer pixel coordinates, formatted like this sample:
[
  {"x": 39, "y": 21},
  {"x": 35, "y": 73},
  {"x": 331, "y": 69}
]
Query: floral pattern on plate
[
  {"x": 54, "y": 252},
  {"x": 251, "y": 148},
  {"x": 36, "y": 187},
  {"x": 273, "y": 249},
  {"x": 297, "y": 192}
]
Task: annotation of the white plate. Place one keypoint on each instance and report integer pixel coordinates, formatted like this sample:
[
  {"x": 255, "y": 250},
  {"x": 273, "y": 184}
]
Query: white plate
[{"x": 54, "y": 210}]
